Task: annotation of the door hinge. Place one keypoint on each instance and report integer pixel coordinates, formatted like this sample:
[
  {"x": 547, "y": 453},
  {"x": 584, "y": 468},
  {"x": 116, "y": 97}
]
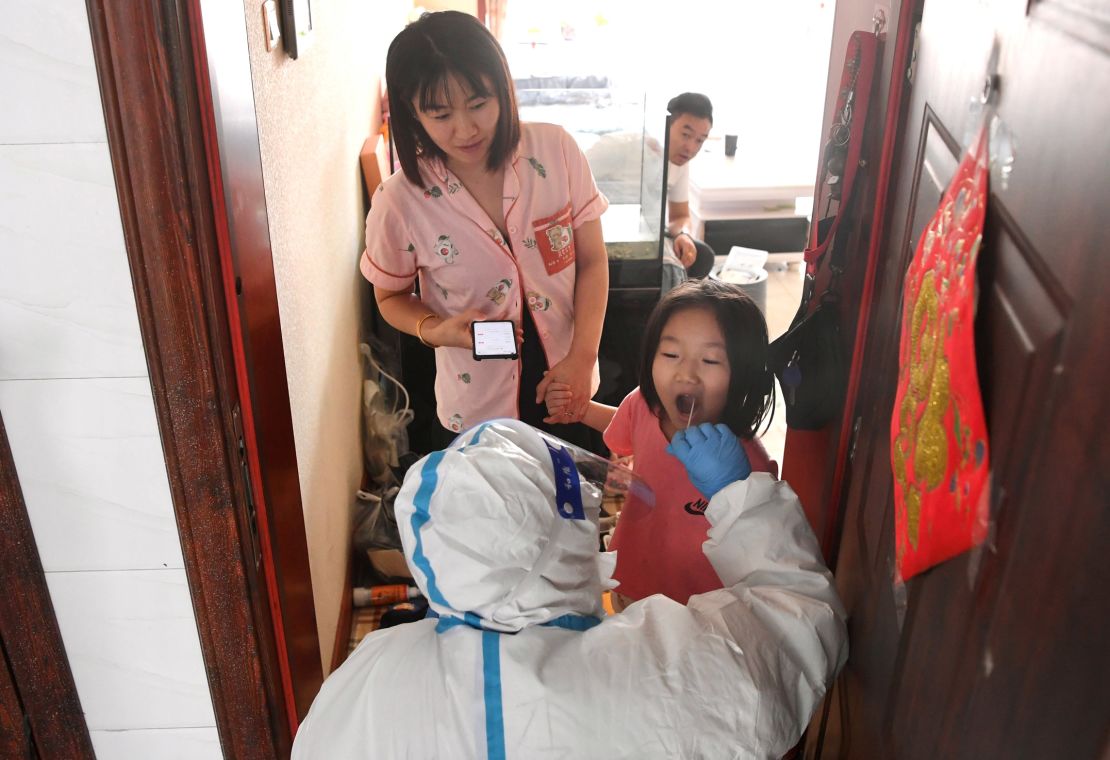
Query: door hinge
[
  {"x": 248, "y": 486},
  {"x": 911, "y": 68},
  {"x": 854, "y": 439}
]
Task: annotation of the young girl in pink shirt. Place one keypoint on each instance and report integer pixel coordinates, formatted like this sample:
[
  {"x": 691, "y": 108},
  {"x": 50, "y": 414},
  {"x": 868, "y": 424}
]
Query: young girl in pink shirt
[{"x": 704, "y": 382}]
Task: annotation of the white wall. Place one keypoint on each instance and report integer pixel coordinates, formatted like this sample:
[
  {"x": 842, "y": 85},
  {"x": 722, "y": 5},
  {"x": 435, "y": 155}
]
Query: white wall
[
  {"x": 466, "y": 6},
  {"x": 76, "y": 400},
  {"x": 313, "y": 115}
]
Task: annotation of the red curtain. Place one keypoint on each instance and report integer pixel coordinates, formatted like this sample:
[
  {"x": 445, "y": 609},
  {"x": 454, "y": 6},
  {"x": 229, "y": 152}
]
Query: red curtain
[{"x": 492, "y": 12}]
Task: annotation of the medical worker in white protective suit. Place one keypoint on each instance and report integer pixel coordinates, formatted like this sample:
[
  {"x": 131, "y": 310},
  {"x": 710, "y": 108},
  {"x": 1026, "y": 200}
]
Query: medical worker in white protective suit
[{"x": 522, "y": 662}]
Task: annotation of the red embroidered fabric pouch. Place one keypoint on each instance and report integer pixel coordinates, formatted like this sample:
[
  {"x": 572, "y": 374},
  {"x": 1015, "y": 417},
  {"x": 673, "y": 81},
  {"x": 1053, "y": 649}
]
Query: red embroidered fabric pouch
[{"x": 939, "y": 449}]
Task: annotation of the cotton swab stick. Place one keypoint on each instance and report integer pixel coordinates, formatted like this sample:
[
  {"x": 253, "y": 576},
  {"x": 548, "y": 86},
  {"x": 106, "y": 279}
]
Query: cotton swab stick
[{"x": 690, "y": 416}]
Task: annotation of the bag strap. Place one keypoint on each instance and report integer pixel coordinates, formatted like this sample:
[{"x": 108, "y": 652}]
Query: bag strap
[{"x": 836, "y": 249}]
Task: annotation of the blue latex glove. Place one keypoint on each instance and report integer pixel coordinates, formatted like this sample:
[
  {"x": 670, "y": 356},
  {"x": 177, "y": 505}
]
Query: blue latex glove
[{"x": 712, "y": 455}]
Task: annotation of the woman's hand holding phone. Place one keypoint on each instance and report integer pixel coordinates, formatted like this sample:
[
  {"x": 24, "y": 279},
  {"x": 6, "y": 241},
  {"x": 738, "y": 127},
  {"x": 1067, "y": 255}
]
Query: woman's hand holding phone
[{"x": 455, "y": 331}]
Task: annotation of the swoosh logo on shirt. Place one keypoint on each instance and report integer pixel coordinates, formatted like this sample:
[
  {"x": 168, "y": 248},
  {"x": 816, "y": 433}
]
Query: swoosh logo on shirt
[{"x": 696, "y": 507}]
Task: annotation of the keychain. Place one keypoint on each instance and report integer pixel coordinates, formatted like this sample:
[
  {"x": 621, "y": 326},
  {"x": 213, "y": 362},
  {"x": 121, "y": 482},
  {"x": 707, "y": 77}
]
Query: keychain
[{"x": 836, "y": 149}]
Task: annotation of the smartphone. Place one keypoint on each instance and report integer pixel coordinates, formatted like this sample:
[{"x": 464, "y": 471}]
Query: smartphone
[{"x": 494, "y": 339}]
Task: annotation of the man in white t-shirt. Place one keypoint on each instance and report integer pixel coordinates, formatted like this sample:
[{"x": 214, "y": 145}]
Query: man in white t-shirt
[{"x": 691, "y": 119}]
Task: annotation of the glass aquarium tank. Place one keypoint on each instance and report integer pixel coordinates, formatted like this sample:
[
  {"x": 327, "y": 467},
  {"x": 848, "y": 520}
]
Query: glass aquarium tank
[{"x": 623, "y": 135}]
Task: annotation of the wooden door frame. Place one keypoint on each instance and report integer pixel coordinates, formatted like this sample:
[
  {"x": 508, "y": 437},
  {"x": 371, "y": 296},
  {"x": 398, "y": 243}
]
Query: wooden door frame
[
  {"x": 42, "y": 698},
  {"x": 153, "y": 73},
  {"x": 265, "y": 427},
  {"x": 828, "y": 486}
]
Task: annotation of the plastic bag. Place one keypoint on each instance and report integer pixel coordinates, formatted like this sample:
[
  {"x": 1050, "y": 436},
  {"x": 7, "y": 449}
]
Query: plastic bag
[
  {"x": 376, "y": 535},
  {"x": 386, "y": 415}
]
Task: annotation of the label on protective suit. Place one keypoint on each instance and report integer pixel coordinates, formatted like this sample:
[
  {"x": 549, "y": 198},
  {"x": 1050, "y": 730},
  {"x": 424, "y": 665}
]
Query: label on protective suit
[{"x": 568, "y": 489}]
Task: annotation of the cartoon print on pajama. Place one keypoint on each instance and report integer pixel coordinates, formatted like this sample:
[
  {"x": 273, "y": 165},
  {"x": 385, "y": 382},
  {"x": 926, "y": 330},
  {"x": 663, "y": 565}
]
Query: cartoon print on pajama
[
  {"x": 559, "y": 236},
  {"x": 538, "y": 301},
  {"x": 495, "y": 233},
  {"x": 538, "y": 167},
  {"x": 498, "y": 292},
  {"x": 445, "y": 249}
]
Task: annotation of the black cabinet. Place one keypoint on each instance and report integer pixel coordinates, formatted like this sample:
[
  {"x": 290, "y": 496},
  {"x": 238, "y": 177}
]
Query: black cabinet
[{"x": 780, "y": 234}]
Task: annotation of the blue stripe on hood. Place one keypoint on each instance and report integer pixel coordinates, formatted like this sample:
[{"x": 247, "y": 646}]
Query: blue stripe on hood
[
  {"x": 429, "y": 478},
  {"x": 478, "y": 433},
  {"x": 572, "y": 622},
  {"x": 569, "y": 622}
]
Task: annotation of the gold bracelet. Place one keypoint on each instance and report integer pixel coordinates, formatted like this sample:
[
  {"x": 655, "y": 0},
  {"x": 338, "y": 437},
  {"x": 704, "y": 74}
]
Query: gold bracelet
[{"x": 420, "y": 324}]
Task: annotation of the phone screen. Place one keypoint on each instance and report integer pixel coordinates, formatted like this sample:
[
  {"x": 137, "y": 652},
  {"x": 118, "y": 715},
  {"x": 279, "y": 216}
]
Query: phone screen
[{"x": 495, "y": 339}]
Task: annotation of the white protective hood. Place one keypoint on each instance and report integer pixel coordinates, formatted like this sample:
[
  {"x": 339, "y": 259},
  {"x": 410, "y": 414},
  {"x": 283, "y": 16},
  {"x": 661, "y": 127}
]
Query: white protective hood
[
  {"x": 521, "y": 663},
  {"x": 484, "y": 538}
]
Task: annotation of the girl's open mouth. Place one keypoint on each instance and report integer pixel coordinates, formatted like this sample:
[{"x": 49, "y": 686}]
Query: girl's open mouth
[{"x": 685, "y": 403}]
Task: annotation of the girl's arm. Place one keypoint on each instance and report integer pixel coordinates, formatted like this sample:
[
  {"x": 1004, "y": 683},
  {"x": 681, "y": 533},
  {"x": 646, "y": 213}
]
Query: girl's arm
[
  {"x": 599, "y": 415},
  {"x": 591, "y": 292},
  {"x": 596, "y": 415}
]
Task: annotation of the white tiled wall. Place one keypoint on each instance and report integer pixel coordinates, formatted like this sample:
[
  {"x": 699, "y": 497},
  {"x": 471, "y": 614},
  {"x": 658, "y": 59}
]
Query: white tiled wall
[{"x": 76, "y": 402}]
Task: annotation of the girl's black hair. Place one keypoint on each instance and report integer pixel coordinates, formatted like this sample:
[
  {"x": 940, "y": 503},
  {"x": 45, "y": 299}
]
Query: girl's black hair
[
  {"x": 751, "y": 396},
  {"x": 418, "y": 65}
]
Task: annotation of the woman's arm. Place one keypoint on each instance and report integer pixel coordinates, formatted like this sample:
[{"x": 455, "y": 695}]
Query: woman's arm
[
  {"x": 591, "y": 293},
  {"x": 591, "y": 289},
  {"x": 404, "y": 310}
]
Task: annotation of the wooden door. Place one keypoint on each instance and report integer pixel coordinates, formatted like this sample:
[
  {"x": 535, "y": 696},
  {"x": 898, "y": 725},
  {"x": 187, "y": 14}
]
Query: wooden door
[
  {"x": 14, "y": 739},
  {"x": 40, "y": 712},
  {"x": 1001, "y": 652}
]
